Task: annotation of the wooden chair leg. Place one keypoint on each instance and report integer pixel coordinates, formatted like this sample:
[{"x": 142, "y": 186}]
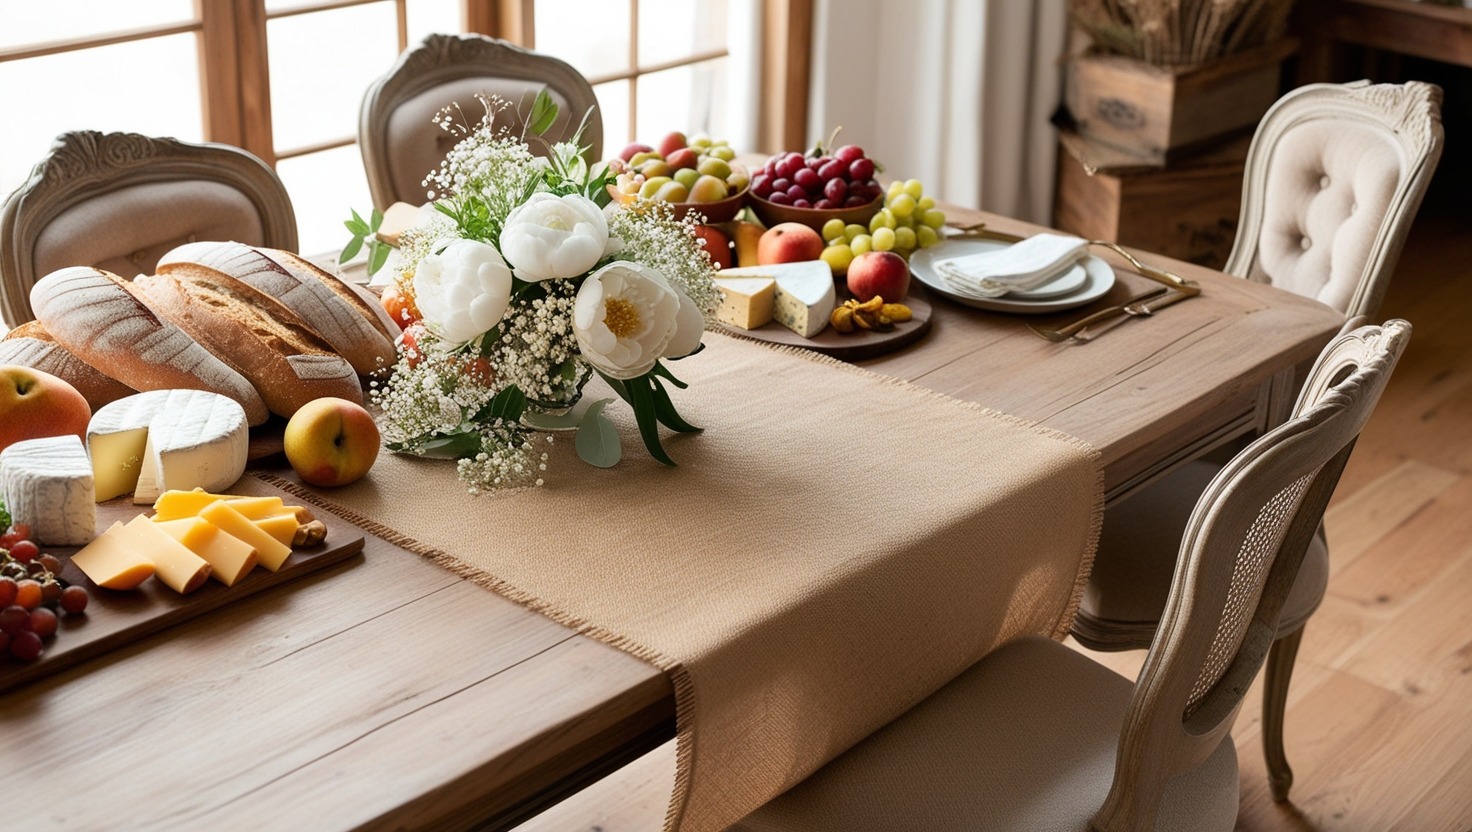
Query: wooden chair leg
[{"x": 1274, "y": 702}]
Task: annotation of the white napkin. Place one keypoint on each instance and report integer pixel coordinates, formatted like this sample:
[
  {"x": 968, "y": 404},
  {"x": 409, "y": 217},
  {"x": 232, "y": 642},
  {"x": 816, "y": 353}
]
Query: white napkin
[{"x": 1016, "y": 268}]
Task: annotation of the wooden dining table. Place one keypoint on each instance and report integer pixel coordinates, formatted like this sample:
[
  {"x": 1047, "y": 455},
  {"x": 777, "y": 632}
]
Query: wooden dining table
[{"x": 351, "y": 699}]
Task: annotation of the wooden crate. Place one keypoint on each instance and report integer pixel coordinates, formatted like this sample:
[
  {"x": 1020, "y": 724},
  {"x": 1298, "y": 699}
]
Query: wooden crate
[
  {"x": 1158, "y": 112},
  {"x": 1187, "y": 210}
]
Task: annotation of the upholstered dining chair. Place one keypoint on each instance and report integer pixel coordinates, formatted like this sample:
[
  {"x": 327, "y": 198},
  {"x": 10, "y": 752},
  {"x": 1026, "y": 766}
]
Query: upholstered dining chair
[
  {"x": 1334, "y": 177},
  {"x": 119, "y": 201},
  {"x": 1037, "y": 736},
  {"x": 400, "y": 142}
]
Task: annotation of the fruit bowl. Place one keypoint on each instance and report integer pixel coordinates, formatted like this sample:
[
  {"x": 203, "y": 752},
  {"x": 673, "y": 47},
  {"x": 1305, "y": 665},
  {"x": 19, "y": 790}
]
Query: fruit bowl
[
  {"x": 722, "y": 210},
  {"x": 770, "y": 213}
]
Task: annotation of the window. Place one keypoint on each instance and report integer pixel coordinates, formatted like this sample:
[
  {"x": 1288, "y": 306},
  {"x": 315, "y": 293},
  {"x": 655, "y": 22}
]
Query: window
[{"x": 284, "y": 78}]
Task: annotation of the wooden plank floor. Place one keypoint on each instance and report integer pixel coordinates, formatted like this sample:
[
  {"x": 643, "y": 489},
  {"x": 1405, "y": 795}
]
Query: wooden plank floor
[{"x": 1379, "y": 722}]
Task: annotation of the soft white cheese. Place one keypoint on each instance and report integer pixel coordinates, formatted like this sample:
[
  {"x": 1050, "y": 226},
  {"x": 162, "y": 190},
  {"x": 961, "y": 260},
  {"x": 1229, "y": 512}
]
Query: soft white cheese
[
  {"x": 168, "y": 439},
  {"x": 47, "y": 484},
  {"x": 805, "y": 293}
]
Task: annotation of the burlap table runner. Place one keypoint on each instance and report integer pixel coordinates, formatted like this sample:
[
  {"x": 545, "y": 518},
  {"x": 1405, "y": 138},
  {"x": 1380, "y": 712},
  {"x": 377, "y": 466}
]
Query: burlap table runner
[{"x": 832, "y": 549}]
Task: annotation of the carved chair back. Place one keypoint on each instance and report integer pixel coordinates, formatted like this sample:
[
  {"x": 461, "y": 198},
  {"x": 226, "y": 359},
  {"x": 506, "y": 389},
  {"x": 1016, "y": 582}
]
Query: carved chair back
[
  {"x": 119, "y": 201},
  {"x": 1238, "y": 558},
  {"x": 401, "y": 144}
]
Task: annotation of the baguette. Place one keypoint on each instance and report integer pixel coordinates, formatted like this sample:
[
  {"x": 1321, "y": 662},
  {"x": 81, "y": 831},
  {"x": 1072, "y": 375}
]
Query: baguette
[
  {"x": 339, "y": 318},
  {"x": 30, "y": 345},
  {"x": 100, "y": 319},
  {"x": 285, "y": 359}
]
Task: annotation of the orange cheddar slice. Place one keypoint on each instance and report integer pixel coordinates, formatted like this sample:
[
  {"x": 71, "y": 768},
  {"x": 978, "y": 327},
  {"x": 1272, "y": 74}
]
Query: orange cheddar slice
[
  {"x": 229, "y": 557},
  {"x": 281, "y": 526},
  {"x": 113, "y": 561},
  {"x": 173, "y": 505},
  {"x": 270, "y": 552},
  {"x": 180, "y": 569}
]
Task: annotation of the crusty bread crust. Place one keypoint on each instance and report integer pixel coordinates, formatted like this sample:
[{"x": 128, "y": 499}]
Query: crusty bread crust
[
  {"x": 341, "y": 320},
  {"x": 100, "y": 319},
  {"x": 287, "y": 361},
  {"x": 30, "y": 345}
]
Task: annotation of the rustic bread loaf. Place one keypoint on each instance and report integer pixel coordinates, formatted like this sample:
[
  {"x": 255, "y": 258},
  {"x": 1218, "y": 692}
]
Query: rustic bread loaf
[
  {"x": 30, "y": 345},
  {"x": 100, "y": 319},
  {"x": 285, "y": 359},
  {"x": 355, "y": 333}
]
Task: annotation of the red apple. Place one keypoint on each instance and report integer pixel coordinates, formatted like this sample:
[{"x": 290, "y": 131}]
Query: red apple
[
  {"x": 788, "y": 242},
  {"x": 331, "y": 441},
  {"x": 882, "y": 273},
  {"x": 717, "y": 243},
  {"x": 637, "y": 147},
  {"x": 34, "y": 404},
  {"x": 672, "y": 142}
]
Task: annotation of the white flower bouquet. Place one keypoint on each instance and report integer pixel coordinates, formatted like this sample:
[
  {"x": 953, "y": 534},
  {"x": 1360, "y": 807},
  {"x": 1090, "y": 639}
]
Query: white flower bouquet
[{"x": 528, "y": 283}]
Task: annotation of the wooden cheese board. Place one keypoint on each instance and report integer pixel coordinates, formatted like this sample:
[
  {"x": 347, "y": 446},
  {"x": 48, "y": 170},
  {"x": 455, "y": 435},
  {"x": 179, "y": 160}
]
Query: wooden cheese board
[
  {"x": 851, "y": 346},
  {"x": 116, "y": 618}
]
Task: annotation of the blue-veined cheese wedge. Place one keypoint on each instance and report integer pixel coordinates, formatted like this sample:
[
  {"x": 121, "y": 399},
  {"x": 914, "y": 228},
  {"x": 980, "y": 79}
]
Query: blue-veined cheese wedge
[
  {"x": 47, "y": 484},
  {"x": 167, "y": 439},
  {"x": 746, "y": 302},
  {"x": 805, "y": 294}
]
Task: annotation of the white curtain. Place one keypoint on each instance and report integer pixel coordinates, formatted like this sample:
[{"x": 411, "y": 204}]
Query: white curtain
[{"x": 956, "y": 93}]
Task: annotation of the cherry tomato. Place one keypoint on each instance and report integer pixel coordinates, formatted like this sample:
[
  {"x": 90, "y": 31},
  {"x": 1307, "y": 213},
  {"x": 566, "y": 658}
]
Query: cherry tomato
[{"x": 400, "y": 306}]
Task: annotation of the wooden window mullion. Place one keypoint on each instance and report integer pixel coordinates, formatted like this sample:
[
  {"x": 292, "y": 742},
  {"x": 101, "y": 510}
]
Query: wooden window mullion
[{"x": 255, "y": 78}]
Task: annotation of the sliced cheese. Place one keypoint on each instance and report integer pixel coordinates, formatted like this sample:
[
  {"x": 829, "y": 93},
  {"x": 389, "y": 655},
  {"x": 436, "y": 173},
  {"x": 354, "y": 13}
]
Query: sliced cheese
[
  {"x": 167, "y": 439},
  {"x": 172, "y": 505},
  {"x": 180, "y": 569},
  {"x": 113, "y": 560},
  {"x": 746, "y": 302},
  {"x": 229, "y": 557},
  {"x": 805, "y": 294},
  {"x": 270, "y": 552},
  {"x": 47, "y": 483},
  {"x": 282, "y": 526}
]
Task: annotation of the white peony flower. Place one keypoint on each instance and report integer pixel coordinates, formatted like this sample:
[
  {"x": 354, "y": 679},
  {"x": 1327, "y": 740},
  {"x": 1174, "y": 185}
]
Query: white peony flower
[
  {"x": 627, "y": 317},
  {"x": 550, "y": 237},
  {"x": 463, "y": 291}
]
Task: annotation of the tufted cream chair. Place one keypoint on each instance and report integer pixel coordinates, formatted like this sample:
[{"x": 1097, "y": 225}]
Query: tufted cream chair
[
  {"x": 400, "y": 142},
  {"x": 119, "y": 201},
  {"x": 1037, "y": 736},
  {"x": 1334, "y": 177}
]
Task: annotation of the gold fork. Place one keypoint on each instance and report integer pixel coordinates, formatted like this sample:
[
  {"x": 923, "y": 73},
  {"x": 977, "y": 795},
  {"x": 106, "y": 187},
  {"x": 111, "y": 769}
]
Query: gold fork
[{"x": 1135, "y": 303}]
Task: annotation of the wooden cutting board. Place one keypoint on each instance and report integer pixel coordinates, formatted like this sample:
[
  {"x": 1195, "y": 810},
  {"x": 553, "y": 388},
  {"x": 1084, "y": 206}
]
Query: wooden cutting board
[
  {"x": 850, "y": 346},
  {"x": 114, "y": 618}
]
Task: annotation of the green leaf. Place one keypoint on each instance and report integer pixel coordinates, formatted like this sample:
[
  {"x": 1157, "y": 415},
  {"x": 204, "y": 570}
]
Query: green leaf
[
  {"x": 454, "y": 446},
  {"x": 446, "y": 210},
  {"x": 357, "y": 228},
  {"x": 544, "y": 112},
  {"x": 597, "y": 439},
  {"x": 4, "y": 517},
  {"x": 377, "y": 256},
  {"x": 375, "y": 220},
  {"x": 358, "y": 218},
  {"x": 665, "y": 411},
  {"x": 509, "y": 404},
  {"x": 618, "y": 387},
  {"x": 661, "y": 370},
  {"x": 351, "y": 250},
  {"x": 641, "y": 398}
]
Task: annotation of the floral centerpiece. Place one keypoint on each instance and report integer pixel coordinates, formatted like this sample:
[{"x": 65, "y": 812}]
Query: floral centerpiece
[{"x": 529, "y": 282}]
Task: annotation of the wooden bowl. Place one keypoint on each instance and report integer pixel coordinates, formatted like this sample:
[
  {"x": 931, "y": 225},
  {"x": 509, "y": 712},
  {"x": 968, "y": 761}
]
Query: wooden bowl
[
  {"x": 770, "y": 213},
  {"x": 723, "y": 210}
]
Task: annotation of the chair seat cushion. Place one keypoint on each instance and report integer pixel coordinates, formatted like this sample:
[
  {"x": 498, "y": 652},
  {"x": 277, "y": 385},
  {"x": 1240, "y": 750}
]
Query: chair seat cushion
[
  {"x": 1025, "y": 739},
  {"x": 1136, "y": 560}
]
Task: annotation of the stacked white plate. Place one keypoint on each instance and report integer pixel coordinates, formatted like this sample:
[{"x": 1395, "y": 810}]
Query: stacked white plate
[{"x": 1083, "y": 282}]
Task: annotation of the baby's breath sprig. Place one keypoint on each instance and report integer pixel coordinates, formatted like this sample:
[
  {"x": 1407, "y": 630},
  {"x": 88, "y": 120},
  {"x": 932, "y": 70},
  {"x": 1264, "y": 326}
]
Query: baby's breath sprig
[{"x": 653, "y": 236}]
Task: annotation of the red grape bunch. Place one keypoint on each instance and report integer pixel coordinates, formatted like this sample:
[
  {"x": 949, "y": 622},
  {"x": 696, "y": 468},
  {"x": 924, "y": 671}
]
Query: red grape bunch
[
  {"x": 31, "y": 593},
  {"x": 843, "y": 180}
]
